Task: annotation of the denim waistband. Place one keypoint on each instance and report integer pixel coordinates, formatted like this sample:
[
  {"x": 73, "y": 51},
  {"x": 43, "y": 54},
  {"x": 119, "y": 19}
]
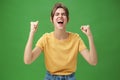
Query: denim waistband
[{"x": 61, "y": 76}]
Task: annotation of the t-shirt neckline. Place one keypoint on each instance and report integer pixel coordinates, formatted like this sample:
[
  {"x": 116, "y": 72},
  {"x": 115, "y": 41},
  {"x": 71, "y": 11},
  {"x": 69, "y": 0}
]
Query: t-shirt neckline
[{"x": 63, "y": 39}]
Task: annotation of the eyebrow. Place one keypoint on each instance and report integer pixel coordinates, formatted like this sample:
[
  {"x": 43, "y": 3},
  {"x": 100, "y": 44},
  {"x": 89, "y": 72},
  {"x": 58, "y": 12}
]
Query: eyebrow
[{"x": 60, "y": 13}]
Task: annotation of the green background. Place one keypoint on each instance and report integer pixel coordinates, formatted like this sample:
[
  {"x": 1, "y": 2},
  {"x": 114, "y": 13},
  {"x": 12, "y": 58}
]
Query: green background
[{"x": 102, "y": 15}]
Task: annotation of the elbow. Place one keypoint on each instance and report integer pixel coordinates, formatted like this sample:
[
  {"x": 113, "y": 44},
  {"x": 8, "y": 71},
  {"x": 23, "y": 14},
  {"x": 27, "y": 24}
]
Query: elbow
[
  {"x": 27, "y": 61},
  {"x": 94, "y": 63}
]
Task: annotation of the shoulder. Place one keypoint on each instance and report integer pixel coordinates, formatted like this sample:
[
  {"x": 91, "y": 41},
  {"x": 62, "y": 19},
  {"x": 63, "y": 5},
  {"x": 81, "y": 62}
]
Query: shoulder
[
  {"x": 46, "y": 36},
  {"x": 74, "y": 35}
]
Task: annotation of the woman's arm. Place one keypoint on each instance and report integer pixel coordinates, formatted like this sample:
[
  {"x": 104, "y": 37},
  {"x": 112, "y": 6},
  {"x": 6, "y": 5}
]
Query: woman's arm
[
  {"x": 29, "y": 54},
  {"x": 89, "y": 55}
]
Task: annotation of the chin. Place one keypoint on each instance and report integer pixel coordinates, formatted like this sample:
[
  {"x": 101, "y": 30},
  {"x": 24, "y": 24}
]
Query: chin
[{"x": 60, "y": 27}]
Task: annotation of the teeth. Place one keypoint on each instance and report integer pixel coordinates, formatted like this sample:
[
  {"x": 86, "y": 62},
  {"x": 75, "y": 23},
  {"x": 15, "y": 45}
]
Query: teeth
[{"x": 60, "y": 22}]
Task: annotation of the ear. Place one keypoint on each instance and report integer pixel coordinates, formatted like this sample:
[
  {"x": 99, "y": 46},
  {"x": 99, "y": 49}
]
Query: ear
[{"x": 51, "y": 19}]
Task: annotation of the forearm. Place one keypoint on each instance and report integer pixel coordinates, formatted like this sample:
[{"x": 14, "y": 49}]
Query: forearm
[
  {"x": 28, "y": 49},
  {"x": 93, "y": 54}
]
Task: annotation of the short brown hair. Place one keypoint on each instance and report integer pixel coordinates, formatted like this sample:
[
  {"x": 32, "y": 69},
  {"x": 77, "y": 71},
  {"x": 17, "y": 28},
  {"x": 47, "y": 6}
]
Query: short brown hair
[{"x": 59, "y": 5}]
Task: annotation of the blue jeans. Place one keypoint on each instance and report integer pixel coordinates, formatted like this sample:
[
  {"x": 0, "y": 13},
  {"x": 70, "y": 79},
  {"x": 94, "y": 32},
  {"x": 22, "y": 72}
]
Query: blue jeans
[{"x": 60, "y": 77}]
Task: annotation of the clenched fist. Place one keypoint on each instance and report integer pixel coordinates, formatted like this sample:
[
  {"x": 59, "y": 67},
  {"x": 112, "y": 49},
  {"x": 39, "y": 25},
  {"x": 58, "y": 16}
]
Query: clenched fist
[
  {"x": 33, "y": 26},
  {"x": 86, "y": 29}
]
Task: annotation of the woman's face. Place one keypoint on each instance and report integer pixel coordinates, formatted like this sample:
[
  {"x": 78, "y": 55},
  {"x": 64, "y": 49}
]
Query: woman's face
[{"x": 60, "y": 19}]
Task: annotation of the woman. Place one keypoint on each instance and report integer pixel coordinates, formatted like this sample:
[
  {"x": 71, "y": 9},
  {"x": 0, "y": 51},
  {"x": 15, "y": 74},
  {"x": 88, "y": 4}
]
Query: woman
[{"x": 60, "y": 47}]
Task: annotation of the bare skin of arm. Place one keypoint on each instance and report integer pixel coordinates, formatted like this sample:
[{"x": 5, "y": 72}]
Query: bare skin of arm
[
  {"x": 29, "y": 54},
  {"x": 89, "y": 55}
]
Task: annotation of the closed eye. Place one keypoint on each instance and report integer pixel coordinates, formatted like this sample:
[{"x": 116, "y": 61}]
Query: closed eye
[{"x": 56, "y": 14}]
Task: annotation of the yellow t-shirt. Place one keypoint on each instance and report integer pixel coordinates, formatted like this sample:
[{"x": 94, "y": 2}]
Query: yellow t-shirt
[{"x": 61, "y": 55}]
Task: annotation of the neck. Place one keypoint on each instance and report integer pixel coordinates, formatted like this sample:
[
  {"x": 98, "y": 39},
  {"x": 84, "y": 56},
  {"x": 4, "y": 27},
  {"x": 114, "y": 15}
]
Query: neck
[{"x": 60, "y": 34}]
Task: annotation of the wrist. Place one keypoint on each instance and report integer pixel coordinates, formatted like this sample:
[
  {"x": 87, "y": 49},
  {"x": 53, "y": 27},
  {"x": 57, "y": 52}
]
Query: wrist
[
  {"x": 90, "y": 37},
  {"x": 32, "y": 33}
]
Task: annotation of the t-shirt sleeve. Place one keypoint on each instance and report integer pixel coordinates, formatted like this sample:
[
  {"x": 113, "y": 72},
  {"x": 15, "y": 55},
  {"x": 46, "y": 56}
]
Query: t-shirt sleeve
[
  {"x": 41, "y": 42},
  {"x": 82, "y": 45}
]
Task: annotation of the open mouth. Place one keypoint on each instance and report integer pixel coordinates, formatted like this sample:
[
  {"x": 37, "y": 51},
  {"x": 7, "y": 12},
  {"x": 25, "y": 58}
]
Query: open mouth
[{"x": 60, "y": 22}]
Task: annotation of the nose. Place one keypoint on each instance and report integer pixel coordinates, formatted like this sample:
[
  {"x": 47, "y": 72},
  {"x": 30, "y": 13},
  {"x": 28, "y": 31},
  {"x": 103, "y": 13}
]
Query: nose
[{"x": 60, "y": 15}]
